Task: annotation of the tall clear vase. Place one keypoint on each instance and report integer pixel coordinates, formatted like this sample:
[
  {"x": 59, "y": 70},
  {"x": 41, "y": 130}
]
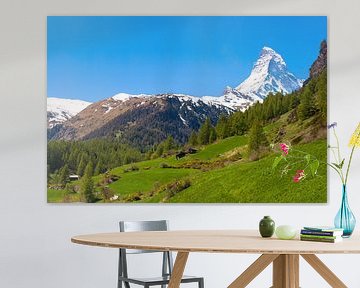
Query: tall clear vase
[{"x": 345, "y": 219}]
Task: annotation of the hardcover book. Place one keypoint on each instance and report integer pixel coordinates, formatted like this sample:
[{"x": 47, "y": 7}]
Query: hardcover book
[
  {"x": 322, "y": 232},
  {"x": 325, "y": 240}
]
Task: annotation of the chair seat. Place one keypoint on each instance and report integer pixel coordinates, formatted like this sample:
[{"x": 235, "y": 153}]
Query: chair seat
[{"x": 158, "y": 280}]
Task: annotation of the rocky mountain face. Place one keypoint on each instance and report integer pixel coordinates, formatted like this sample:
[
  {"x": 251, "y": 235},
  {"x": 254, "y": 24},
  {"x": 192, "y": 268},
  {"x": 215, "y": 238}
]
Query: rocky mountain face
[
  {"x": 320, "y": 63},
  {"x": 269, "y": 75},
  {"x": 141, "y": 120}
]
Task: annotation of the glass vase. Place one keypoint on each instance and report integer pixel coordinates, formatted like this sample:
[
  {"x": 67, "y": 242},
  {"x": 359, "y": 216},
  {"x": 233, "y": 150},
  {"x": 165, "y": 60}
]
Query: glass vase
[{"x": 345, "y": 219}]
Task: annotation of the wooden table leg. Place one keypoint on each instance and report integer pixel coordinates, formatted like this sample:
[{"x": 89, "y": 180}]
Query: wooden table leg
[
  {"x": 253, "y": 270},
  {"x": 279, "y": 269},
  {"x": 293, "y": 264},
  {"x": 324, "y": 271},
  {"x": 286, "y": 271},
  {"x": 178, "y": 269}
]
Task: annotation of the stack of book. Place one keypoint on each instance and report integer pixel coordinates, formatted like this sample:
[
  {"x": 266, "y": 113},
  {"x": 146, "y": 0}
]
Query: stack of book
[{"x": 321, "y": 234}]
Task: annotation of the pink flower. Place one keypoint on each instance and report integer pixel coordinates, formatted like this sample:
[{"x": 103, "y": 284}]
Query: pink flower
[
  {"x": 300, "y": 174},
  {"x": 284, "y": 148}
]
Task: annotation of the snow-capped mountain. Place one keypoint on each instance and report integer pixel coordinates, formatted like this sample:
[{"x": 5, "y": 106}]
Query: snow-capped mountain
[
  {"x": 59, "y": 110},
  {"x": 142, "y": 120},
  {"x": 125, "y": 96},
  {"x": 232, "y": 99},
  {"x": 269, "y": 75}
]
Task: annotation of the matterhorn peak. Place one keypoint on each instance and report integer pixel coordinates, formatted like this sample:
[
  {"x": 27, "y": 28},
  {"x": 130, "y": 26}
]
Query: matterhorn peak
[
  {"x": 228, "y": 89},
  {"x": 269, "y": 75},
  {"x": 267, "y": 50}
]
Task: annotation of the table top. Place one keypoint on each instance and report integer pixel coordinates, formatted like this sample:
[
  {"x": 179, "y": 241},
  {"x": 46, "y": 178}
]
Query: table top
[{"x": 216, "y": 241}]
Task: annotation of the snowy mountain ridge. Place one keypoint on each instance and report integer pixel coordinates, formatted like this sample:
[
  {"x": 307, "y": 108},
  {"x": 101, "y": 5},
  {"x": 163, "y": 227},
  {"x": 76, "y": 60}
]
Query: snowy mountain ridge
[
  {"x": 60, "y": 110},
  {"x": 208, "y": 100}
]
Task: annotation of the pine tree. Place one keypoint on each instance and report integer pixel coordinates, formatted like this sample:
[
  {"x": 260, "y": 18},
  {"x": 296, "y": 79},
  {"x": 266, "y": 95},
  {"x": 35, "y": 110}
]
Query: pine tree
[
  {"x": 72, "y": 160},
  {"x": 222, "y": 127},
  {"x": 169, "y": 143},
  {"x": 204, "y": 132},
  {"x": 98, "y": 168},
  {"x": 321, "y": 96},
  {"x": 193, "y": 139},
  {"x": 293, "y": 100},
  {"x": 87, "y": 189},
  {"x": 89, "y": 169},
  {"x": 81, "y": 167},
  {"x": 76, "y": 154},
  {"x": 159, "y": 150},
  {"x": 87, "y": 184},
  {"x": 307, "y": 108},
  {"x": 238, "y": 123},
  {"x": 212, "y": 137},
  {"x": 257, "y": 138},
  {"x": 64, "y": 174}
]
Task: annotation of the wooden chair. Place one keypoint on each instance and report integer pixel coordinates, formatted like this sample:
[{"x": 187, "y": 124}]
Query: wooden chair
[{"x": 167, "y": 262}]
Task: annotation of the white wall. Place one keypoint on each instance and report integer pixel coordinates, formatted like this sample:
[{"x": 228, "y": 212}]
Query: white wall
[{"x": 35, "y": 248}]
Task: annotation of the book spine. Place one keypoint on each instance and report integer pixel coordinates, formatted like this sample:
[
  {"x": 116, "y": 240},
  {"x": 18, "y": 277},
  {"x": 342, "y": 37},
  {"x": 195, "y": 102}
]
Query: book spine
[
  {"x": 318, "y": 240},
  {"x": 319, "y": 236},
  {"x": 319, "y": 233}
]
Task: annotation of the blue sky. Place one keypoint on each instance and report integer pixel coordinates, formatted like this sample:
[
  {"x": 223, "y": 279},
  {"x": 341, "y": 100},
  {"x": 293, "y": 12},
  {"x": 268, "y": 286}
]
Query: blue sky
[{"x": 92, "y": 58}]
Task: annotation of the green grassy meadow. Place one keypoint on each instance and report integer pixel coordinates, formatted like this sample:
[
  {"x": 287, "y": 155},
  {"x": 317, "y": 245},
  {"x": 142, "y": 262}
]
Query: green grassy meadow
[
  {"x": 218, "y": 173},
  {"x": 256, "y": 182}
]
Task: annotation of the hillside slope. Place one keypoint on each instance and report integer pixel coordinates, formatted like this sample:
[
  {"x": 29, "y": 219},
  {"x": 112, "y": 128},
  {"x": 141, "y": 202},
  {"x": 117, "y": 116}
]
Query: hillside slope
[
  {"x": 256, "y": 182},
  {"x": 218, "y": 173}
]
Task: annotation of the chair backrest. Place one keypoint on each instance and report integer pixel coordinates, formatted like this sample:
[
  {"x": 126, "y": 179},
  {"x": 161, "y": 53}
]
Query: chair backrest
[
  {"x": 137, "y": 226},
  {"x": 132, "y": 226}
]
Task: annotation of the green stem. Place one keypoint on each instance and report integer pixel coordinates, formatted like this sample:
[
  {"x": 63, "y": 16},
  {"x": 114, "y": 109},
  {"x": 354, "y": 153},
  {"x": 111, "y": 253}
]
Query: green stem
[
  {"x": 297, "y": 162},
  {"x": 338, "y": 145},
  {"x": 339, "y": 156},
  {"x": 348, "y": 166},
  {"x": 294, "y": 157},
  {"x": 333, "y": 152},
  {"x": 302, "y": 152},
  {"x": 336, "y": 169}
]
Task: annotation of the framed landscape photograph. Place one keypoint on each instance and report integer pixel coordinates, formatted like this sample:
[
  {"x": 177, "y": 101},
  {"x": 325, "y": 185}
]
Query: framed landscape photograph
[{"x": 187, "y": 109}]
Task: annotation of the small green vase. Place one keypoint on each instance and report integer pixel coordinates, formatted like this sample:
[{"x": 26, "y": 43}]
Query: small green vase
[{"x": 267, "y": 227}]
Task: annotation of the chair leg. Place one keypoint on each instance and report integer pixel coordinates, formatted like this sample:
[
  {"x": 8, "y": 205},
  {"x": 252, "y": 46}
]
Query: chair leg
[{"x": 201, "y": 283}]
